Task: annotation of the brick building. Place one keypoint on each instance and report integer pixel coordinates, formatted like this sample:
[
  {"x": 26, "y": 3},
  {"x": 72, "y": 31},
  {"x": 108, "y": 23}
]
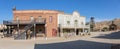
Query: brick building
[
  {"x": 44, "y": 23},
  {"x": 39, "y": 22}
]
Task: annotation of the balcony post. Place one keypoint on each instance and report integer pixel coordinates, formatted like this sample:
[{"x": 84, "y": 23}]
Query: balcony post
[
  {"x": 75, "y": 30},
  {"x": 18, "y": 26},
  {"x": 75, "y": 25},
  {"x": 89, "y": 28},
  {"x": 83, "y": 29},
  {"x": 9, "y": 30},
  {"x": 34, "y": 30},
  {"x": 3, "y": 31},
  {"x": 59, "y": 30},
  {"x": 45, "y": 31}
]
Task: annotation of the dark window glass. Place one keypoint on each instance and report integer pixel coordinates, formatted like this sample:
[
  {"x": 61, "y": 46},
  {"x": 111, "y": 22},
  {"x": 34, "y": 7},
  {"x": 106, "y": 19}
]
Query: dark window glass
[{"x": 68, "y": 22}]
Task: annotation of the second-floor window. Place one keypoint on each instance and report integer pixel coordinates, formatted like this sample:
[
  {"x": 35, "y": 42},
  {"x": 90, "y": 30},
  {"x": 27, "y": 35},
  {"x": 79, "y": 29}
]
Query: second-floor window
[
  {"x": 50, "y": 19},
  {"x": 17, "y": 18},
  {"x": 31, "y": 18},
  {"x": 76, "y": 22},
  {"x": 40, "y": 18},
  {"x": 68, "y": 22},
  {"x": 81, "y": 23}
]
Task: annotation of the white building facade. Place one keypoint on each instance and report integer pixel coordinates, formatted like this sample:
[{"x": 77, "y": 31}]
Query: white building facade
[{"x": 72, "y": 23}]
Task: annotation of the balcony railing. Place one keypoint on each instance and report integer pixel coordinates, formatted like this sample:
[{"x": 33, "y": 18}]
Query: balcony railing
[
  {"x": 8, "y": 22},
  {"x": 74, "y": 26}
]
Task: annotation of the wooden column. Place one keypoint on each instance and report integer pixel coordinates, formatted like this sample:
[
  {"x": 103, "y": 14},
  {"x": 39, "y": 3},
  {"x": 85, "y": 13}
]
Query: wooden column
[
  {"x": 61, "y": 31},
  {"x": 83, "y": 30},
  {"x": 46, "y": 31},
  {"x": 34, "y": 31}
]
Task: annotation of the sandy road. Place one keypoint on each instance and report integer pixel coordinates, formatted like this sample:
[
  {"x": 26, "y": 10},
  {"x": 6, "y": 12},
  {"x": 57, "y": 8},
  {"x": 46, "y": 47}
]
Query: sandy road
[{"x": 79, "y": 42}]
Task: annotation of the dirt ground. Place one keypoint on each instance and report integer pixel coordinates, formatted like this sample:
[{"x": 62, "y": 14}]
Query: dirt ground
[{"x": 97, "y": 40}]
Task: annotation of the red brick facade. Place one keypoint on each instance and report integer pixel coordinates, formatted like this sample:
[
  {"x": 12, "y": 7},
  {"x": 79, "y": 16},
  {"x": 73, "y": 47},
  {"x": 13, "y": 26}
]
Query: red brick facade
[{"x": 49, "y": 15}]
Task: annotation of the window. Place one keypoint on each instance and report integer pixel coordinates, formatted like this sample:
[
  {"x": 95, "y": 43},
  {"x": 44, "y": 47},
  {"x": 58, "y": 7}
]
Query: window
[
  {"x": 17, "y": 18},
  {"x": 40, "y": 18},
  {"x": 81, "y": 23},
  {"x": 31, "y": 18},
  {"x": 76, "y": 21},
  {"x": 50, "y": 18},
  {"x": 68, "y": 22}
]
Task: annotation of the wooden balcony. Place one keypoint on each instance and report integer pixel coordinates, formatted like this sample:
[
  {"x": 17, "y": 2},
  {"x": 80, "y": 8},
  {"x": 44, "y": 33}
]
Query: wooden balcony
[
  {"x": 74, "y": 26},
  {"x": 15, "y": 22}
]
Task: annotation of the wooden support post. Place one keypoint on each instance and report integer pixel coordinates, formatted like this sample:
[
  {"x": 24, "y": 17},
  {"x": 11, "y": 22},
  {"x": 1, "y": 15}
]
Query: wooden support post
[
  {"x": 46, "y": 31},
  {"x": 34, "y": 31}
]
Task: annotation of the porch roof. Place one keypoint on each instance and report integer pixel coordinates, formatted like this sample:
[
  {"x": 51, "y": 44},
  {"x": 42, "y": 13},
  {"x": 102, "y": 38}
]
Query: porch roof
[{"x": 23, "y": 22}]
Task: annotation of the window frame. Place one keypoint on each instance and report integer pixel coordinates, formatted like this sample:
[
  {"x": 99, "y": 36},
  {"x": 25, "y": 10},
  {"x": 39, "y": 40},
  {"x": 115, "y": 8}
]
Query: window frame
[
  {"x": 31, "y": 18},
  {"x": 68, "y": 22},
  {"x": 50, "y": 18}
]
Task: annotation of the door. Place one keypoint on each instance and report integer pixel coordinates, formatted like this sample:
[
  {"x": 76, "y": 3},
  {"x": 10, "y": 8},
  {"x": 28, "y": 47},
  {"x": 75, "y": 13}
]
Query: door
[
  {"x": 77, "y": 32},
  {"x": 54, "y": 32}
]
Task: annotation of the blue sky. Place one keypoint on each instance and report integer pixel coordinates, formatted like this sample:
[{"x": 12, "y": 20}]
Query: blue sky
[{"x": 100, "y": 9}]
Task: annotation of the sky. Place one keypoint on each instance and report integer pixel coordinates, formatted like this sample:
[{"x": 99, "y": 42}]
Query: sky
[{"x": 101, "y": 10}]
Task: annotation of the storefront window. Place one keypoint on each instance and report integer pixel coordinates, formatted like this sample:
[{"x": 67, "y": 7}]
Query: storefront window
[{"x": 40, "y": 31}]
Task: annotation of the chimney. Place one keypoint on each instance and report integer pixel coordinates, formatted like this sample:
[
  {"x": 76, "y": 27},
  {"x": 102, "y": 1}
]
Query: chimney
[{"x": 14, "y": 8}]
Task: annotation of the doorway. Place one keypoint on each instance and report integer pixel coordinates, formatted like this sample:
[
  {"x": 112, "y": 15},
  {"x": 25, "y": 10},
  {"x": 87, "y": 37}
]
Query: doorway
[
  {"x": 54, "y": 32},
  {"x": 77, "y": 32}
]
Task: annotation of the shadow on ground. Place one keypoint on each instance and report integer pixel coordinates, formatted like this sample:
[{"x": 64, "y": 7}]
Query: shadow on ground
[
  {"x": 113, "y": 35},
  {"x": 79, "y": 44}
]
